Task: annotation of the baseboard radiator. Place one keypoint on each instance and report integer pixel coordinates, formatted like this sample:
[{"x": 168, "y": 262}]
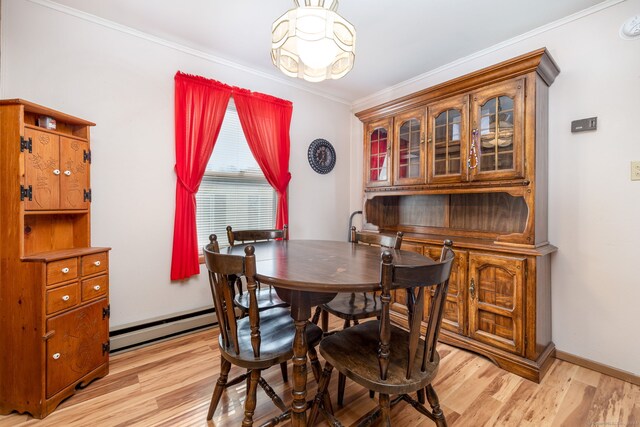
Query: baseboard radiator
[{"x": 143, "y": 333}]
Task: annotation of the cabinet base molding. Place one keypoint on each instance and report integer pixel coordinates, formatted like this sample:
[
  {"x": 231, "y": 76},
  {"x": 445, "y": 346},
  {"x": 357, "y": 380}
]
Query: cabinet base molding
[
  {"x": 49, "y": 405},
  {"x": 533, "y": 370},
  {"x": 598, "y": 367}
]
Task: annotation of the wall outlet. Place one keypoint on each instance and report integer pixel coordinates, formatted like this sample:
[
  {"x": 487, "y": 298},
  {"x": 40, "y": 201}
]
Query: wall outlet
[{"x": 635, "y": 171}]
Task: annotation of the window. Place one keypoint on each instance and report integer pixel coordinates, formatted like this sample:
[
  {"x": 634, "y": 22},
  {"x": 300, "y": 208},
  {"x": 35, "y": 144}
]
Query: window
[{"x": 233, "y": 190}]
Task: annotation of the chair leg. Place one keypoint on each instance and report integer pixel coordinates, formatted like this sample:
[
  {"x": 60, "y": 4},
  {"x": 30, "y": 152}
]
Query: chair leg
[
  {"x": 250, "y": 403},
  {"x": 285, "y": 374},
  {"x": 322, "y": 391},
  {"x": 316, "y": 315},
  {"x": 325, "y": 321},
  {"x": 341, "y": 384},
  {"x": 316, "y": 368},
  {"x": 225, "y": 367},
  {"x": 421, "y": 396},
  {"x": 372, "y": 394},
  {"x": 438, "y": 415},
  {"x": 385, "y": 409}
]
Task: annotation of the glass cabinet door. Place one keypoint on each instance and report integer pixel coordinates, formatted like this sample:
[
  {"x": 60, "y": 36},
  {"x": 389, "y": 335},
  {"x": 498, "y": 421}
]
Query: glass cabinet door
[
  {"x": 496, "y": 150},
  {"x": 409, "y": 152},
  {"x": 448, "y": 135},
  {"x": 377, "y": 154}
]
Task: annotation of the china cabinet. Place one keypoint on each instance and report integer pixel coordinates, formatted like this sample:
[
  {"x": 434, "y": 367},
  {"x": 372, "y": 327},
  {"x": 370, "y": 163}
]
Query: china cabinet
[
  {"x": 481, "y": 182},
  {"x": 378, "y": 152},
  {"x": 54, "y": 286}
]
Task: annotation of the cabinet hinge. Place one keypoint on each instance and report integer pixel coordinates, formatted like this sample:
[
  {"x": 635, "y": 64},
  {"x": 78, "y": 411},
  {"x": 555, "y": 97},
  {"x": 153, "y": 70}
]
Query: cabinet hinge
[
  {"x": 106, "y": 312},
  {"x": 87, "y": 195},
  {"x": 86, "y": 156},
  {"x": 106, "y": 347},
  {"x": 25, "y": 144},
  {"x": 26, "y": 193}
]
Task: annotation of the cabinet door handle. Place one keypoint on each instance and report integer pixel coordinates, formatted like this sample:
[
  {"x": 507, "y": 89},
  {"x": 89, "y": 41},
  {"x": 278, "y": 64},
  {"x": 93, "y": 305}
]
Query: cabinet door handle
[
  {"x": 67, "y": 173},
  {"x": 56, "y": 171},
  {"x": 96, "y": 287},
  {"x": 472, "y": 289},
  {"x": 65, "y": 298},
  {"x": 65, "y": 270},
  {"x": 97, "y": 263},
  {"x": 56, "y": 356}
]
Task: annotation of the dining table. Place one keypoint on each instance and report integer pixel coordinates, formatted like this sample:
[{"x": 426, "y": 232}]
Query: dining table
[{"x": 307, "y": 273}]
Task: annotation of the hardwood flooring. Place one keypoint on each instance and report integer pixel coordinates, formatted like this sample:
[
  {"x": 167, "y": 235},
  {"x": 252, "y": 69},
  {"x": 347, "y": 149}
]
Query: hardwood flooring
[{"x": 170, "y": 384}]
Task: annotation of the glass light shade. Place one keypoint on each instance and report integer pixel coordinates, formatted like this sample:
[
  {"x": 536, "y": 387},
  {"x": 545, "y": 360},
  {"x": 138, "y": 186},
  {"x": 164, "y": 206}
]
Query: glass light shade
[{"x": 313, "y": 42}]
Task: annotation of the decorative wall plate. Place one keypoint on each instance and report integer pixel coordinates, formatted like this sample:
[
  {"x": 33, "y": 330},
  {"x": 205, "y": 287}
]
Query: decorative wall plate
[{"x": 322, "y": 156}]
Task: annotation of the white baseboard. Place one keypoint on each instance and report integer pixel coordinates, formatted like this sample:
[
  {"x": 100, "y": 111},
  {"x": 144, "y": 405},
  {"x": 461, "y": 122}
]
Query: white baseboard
[{"x": 140, "y": 334}]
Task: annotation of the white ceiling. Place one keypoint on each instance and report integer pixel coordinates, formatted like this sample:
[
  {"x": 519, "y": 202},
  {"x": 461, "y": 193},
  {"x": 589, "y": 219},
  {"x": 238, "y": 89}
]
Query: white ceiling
[{"x": 396, "y": 39}]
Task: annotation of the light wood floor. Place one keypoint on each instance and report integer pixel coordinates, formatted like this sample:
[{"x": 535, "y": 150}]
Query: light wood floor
[{"x": 170, "y": 384}]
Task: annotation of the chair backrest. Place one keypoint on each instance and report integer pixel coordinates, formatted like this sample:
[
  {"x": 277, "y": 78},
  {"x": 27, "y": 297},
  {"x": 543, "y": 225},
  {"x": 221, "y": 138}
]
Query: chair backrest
[
  {"x": 223, "y": 269},
  {"x": 414, "y": 279},
  {"x": 377, "y": 239},
  {"x": 244, "y": 236}
]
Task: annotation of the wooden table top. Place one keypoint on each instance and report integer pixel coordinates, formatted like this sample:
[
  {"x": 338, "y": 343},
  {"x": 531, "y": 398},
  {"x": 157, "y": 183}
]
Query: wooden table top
[{"x": 323, "y": 265}]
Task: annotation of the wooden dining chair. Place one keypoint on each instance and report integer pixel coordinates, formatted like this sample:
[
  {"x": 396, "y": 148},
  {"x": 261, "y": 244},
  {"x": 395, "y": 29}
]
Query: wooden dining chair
[
  {"x": 386, "y": 358},
  {"x": 266, "y": 296},
  {"x": 353, "y": 307},
  {"x": 256, "y": 342}
]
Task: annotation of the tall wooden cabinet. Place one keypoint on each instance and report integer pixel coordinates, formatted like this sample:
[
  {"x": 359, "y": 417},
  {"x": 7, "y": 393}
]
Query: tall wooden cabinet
[
  {"x": 54, "y": 287},
  {"x": 481, "y": 145}
]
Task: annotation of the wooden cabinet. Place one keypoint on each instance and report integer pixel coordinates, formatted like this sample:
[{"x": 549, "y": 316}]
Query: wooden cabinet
[
  {"x": 378, "y": 142},
  {"x": 496, "y": 309},
  {"x": 484, "y": 185},
  {"x": 497, "y": 121},
  {"x": 56, "y": 171},
  {"x": 447, "y": 124},
  {"x": 409, "y": 148},
  {"x": 54, "y": 286}
]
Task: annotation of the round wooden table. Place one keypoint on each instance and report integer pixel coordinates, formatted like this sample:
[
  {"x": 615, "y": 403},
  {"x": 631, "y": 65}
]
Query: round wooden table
[{"x": 307, "y": 273}]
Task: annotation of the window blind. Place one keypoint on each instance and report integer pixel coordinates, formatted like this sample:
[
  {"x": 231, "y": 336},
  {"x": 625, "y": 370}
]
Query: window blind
[{"x": 233, "y": 190}]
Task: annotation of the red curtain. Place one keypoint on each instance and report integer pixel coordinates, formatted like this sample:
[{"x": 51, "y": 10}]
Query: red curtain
[
  {"x": 265, "y": 122},
  {"x": 200, "y": 106}
]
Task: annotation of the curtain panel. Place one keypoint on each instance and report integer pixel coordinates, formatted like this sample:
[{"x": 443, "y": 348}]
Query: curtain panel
[
  {"x": 265, "y": 122},
  {"x": 200, "y": 106}
]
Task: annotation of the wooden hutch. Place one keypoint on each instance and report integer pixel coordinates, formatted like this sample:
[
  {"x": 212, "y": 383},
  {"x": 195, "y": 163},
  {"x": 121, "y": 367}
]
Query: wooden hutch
[
  {"x": 54, "y": 300},
  {"x": 466, "y": 160}
]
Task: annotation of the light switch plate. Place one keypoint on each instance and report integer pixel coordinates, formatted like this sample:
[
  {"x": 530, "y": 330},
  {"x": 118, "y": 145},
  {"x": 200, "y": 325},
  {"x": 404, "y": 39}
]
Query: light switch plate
[{"x": 635, "y": 171}]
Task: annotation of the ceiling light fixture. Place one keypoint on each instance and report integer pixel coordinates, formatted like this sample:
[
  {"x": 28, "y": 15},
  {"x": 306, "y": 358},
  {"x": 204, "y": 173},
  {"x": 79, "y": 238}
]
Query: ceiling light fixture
[{"x": 313, "y": 42}]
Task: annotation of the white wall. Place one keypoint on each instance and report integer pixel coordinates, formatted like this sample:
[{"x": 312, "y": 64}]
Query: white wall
[
  {"x": 593, "y": 206},
  {"x": 124, "y": 83}
]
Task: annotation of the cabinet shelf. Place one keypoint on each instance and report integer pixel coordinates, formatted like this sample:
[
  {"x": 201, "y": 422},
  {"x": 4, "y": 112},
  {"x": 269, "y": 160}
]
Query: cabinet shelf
[{"x": 49, "y": 256}]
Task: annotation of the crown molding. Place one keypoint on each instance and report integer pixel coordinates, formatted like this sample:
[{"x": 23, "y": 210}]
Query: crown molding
[
  {"x": 179, "y": 47},
  {"x": 383, "y": 95}
]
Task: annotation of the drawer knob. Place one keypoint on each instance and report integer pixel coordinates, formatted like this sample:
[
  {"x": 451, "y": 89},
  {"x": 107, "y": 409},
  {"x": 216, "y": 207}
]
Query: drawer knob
[
  {"x": 97, "y": 263},
  {"x": 96, "y": 287},
  {"x": 68, "y": 173},
  {"x": 56, "y": 171},
  {"x": 65, "y": 298},
  {"x": 56, "y": 356},
  {"x": 65, "y": 270}
]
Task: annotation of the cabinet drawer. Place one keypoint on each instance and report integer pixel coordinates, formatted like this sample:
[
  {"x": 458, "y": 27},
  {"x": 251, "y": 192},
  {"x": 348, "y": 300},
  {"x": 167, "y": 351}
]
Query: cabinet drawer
[
  {"x": 95, "y": 287},
  {"x": 95, "y": 263},
  {"x": 61, "y": 271},
  {"x": 62, "y": 298}
]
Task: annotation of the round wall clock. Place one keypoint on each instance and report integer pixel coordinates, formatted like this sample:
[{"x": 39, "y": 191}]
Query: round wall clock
[{"x": 322, "y": 156}]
